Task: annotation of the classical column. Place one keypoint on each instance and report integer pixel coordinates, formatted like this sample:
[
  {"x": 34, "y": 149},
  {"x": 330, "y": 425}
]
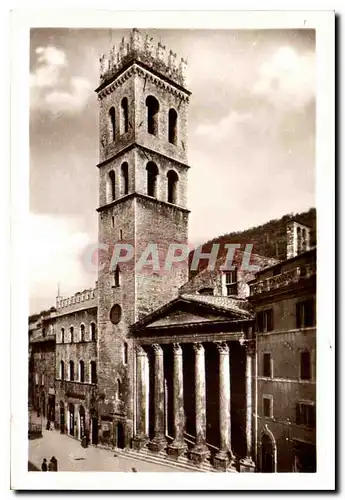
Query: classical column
[
  {"x": 178, "y": 446},
  {"x": 247, "y": 463},
  {"x": 158, "y": 442},
  {"x": 141, "y": 437},
  {"x": 224, "y": 458},
  {"x": 200, "y": 450}
]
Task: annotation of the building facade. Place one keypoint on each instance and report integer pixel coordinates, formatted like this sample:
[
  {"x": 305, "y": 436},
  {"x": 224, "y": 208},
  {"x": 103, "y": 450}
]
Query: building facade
[
  {"x": 218, "y": 369},
  {"x": 284, "y": 299}
]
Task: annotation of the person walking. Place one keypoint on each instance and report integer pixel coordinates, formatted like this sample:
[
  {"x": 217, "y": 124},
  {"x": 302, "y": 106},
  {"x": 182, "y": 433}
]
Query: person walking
[
  {"x": 44, "y": 466},
  {"x": 52, "y": 465}
]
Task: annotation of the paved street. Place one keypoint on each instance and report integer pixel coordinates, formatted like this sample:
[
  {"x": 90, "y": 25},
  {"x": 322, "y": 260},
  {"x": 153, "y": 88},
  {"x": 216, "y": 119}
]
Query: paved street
[{"x": 72, "y": 457}]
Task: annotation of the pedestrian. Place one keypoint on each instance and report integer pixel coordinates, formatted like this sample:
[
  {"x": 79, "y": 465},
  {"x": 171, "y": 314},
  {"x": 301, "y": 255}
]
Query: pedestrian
[
  {"x": 48, "y": 425},
  {"x": 44, "y": 466},
  {"x": 52, "y": 465}
]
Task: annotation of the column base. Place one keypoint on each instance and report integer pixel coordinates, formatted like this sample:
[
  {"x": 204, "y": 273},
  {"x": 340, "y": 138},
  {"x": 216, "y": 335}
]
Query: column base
[
  {"x": 139, "y": 442},
  {"x": 157, "y": 444},
  {"x": 247, "y": 465},
  {"x": 224, "y": 461},
  {"x": 199, "y": 453},
  {"x": 176, "y": 449}
]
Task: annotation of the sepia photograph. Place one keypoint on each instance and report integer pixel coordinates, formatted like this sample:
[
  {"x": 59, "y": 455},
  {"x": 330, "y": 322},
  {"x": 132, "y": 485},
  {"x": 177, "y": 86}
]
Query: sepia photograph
[{"x": 173, "y": 250}]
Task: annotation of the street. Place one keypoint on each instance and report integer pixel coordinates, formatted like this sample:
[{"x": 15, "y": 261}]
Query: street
[{"x": 72, "y": 457}]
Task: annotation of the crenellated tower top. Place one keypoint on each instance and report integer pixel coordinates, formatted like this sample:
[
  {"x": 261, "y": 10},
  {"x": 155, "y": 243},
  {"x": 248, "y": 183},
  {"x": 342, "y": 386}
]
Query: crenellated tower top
[{"x": 142, "y": 49}]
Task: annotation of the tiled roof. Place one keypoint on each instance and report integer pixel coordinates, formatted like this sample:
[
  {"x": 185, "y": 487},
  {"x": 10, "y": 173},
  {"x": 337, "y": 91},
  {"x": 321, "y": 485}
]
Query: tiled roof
[{"x": 229, "y": 304}]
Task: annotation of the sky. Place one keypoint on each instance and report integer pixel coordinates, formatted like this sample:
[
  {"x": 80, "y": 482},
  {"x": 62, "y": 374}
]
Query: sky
[{"x": 251, "y": 139}]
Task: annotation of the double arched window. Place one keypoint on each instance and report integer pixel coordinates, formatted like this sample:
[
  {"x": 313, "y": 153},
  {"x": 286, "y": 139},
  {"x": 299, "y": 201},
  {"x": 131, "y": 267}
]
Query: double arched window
[
  {"x": 172, "y": 186},
  {"x": 172, "y": 126},
  {"x": 124, "y": 116},
  {"x": 112, "y": 121},
  {"x": 152, "y": 174},
  {"x": 152, "y": 106}
]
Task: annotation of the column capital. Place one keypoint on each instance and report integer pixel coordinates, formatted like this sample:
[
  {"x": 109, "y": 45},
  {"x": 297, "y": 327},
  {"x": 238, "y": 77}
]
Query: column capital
[
  {"x": 198, "y": 347},
  {"x": 177, "y": 349},
  {"x": 140, "y": 350},
  {"x": 222, "y": 347},
  {"x": 249, "y": 346},
  {"x": 157, "y": 349}
]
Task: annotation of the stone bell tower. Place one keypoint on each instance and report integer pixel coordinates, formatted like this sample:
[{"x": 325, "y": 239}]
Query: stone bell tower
[{"x": 142, "y": 204}]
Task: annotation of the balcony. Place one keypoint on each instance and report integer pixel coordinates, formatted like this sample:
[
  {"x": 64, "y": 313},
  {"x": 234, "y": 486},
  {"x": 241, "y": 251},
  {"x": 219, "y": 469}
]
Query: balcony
[
  {"x": 77, "y": 390},
  {"x": 284, "y": 279}
]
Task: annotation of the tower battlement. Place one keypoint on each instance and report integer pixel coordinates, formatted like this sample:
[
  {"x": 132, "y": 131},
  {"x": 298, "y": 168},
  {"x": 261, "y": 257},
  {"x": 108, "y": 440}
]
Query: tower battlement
[{"x": 142, "y": 49}]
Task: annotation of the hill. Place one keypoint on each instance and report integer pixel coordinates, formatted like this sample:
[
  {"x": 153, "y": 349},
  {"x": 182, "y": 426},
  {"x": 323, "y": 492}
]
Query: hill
[{"x": 268, "y": 240}]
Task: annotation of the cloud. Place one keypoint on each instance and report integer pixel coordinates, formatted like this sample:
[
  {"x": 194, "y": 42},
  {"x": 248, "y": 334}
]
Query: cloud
[
  {"x": 52, "y": 88},
  {"x": 225, "y": 128},
  {"x": 55, "y": 250},
  {"x": 287, "y": 78}
]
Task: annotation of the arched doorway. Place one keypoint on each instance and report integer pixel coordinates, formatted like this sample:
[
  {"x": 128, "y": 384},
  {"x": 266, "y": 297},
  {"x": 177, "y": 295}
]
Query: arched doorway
[
  {"x": 62, "y": 417},
  {"x": 94, "y": 427},
  {"x": 119, "y": 435},
  {"x": 71, "y": 419},
  {"x": 268, "y": 453},
  {"x": 81, "y": 422}
]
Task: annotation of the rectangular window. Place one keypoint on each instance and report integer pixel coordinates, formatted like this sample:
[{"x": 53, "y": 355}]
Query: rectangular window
[
  {"x": 264, "y": 321},
  {"x": 305, "y": 414},
  {"x": 267, "y": 365},
  {"x": 305, "y": 314},
  {"x": 231, "y": 282},
  {"x": 268, "y": 406},
  {"x": 305, "y": 365}
]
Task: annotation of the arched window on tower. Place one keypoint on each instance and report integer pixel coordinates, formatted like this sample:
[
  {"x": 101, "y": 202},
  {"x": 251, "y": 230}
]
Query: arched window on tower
[
  {"x": 62, "y": 370},
  {"x": 124, "y": 178},
  {"x": 125, "y": 353},
  {"x": 172, "y": 186},
  {"x": 71, "y": 331},
  {"x": 152, "y": 115},
  {"x": 152, "y": 173},
  {"x": 111, "y": 186},
  {"x": 172, "y": 119},
  {"x": 112, "y": 123},
  {"x": 124, "y": 116}
]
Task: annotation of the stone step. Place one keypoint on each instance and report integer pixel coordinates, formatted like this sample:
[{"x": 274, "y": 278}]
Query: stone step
[{"x": 182, "y": 463}]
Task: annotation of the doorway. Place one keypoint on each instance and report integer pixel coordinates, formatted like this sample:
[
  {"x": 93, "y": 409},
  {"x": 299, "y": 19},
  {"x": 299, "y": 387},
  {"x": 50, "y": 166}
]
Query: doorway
[
  {"x": 267, "y": 454},
  {"x": 119, "y": 435},
  {"x": 62, "y": 417},
  {"x": 81, "y": 422},
  {"x": 94, "y": 430},
  {"x": 71, "y": 419}
]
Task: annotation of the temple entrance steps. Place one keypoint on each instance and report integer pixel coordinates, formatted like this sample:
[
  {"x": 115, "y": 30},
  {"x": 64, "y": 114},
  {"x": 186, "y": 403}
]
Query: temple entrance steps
[{"x": 162, "y": 458}]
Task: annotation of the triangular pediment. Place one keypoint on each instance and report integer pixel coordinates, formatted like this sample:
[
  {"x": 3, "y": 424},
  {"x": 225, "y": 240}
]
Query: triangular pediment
[{"x": 180, "y": 317}]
